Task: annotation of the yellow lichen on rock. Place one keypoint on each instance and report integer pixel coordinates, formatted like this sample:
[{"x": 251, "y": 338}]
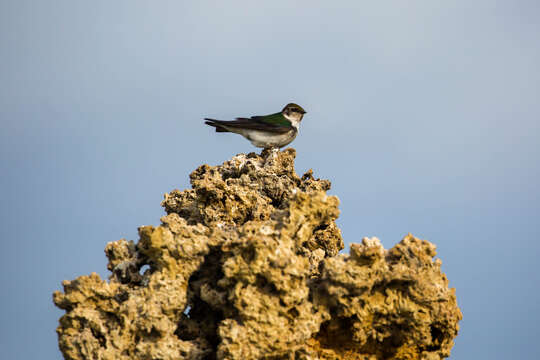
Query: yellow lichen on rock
[{"x": 245, "y": 265}]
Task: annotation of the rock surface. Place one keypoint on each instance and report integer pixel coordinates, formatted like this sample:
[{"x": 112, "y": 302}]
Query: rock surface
[{"x": 245, "y": 266}]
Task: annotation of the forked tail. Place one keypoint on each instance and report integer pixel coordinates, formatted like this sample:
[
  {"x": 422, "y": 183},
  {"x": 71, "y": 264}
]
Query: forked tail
[{"x": 215, "y": 123}]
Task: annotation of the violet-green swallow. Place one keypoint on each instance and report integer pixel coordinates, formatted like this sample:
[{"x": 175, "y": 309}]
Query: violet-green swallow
[{"x": 268, "y": 131}]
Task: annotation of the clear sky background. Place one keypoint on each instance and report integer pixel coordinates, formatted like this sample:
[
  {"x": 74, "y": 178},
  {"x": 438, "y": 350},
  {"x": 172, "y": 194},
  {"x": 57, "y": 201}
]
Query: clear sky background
[{"x": 425, "y": 115}]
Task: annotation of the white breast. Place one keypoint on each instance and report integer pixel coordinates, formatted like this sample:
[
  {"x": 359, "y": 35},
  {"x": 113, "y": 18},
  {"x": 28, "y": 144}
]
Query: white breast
[{"x": 265, "y": 140}]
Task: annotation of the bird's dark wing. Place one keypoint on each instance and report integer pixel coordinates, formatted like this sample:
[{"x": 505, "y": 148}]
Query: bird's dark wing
[
  {"x": 254, "y": 123},
  {"x": 276, "y": 119}
]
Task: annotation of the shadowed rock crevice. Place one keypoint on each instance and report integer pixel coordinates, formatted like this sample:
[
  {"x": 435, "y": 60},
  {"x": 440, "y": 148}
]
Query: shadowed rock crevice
[{"x": 245, "y": 265}]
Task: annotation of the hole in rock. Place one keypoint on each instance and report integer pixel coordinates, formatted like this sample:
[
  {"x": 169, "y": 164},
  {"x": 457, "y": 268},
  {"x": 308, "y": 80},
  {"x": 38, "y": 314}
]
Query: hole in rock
[
  {"x": 335, "y": 334},
  {"x": 200, "y": 319},
  {"x": 277, "y": 202},
  {"x": 321, "y": 227},
  {"x": 99, "y": 336},
  {"x": 294, "y": 313},
  {"x": 249, "y": 215},
  {"x": 143, "y": 269},
  {"x": 262, "y": 283},
  {"x": 436, "y": 333},
  {"x": 249, "y": 253},
  {"x": 121, "y": 296},
  {"x": 436, "y": 338},
  {"x": 200, "y": 322}
]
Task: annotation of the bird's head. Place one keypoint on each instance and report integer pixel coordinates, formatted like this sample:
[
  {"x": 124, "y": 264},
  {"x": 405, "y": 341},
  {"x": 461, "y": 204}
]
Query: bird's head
[{"x": 293, "y": 112}]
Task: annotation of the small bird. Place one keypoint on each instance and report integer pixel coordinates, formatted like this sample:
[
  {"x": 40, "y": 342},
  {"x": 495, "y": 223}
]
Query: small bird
[{"x": 268, "y": 131}]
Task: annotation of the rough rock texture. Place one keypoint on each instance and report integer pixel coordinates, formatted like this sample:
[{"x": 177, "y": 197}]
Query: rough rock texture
[{"x": 245, "y": 266}]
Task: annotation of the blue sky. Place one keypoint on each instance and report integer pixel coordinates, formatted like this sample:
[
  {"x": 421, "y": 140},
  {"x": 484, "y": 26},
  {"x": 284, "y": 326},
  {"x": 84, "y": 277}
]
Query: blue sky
[{"x": 424, "y": 115}]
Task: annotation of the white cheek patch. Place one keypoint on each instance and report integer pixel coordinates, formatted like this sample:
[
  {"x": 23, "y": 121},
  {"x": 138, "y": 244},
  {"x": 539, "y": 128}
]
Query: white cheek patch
[{"x": 295, "y": 119}]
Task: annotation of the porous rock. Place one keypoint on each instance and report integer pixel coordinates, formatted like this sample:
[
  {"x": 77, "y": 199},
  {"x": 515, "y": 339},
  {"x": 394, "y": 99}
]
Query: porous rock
[{"x": 245, "y": 265}]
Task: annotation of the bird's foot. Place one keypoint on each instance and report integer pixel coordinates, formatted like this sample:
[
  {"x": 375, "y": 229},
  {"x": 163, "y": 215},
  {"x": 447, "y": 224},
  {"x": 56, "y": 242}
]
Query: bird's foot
[{"x": 270, "y": 151}]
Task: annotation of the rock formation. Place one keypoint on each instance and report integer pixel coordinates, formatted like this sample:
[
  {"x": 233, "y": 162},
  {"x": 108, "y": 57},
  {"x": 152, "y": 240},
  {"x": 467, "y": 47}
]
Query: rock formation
[{"x": 245, "y": 265}]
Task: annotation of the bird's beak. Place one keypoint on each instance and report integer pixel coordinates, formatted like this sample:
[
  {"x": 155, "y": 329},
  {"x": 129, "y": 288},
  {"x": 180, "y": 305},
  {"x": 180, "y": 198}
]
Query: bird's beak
[{"x": 304, "y": 112}]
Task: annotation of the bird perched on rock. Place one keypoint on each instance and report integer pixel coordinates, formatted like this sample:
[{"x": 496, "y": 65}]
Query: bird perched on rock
[{"x": 268, "y": 131}]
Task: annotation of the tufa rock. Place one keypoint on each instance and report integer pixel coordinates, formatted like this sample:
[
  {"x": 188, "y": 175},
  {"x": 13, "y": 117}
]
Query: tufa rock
[{"x": 245, "y": 266}]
